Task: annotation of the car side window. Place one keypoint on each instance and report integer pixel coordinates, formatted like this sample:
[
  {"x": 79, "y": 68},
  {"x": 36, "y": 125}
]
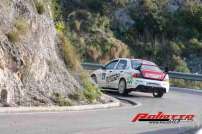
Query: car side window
[
  {"x": 111, "y": 65},
  {"x": 122, "y": 65},
  {"x": 135, "y": 64}
]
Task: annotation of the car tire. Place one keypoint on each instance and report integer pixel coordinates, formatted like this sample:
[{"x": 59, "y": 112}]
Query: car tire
[
  {"x": 157, "y": 94},
  {"x": 94, "y": 78},
  {"x": 122, "y": 87}
]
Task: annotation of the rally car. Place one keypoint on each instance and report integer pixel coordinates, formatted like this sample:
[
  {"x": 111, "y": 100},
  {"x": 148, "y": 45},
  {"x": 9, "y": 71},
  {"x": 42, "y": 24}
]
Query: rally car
[{"x": 126, "y": 75}]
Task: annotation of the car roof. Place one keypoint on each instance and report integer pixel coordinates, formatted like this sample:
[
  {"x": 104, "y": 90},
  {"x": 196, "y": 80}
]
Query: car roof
[
  {"x": 122, "y": 59},
  {"x": 145, "y": 62},
  {"x": 142, "y": 61}
]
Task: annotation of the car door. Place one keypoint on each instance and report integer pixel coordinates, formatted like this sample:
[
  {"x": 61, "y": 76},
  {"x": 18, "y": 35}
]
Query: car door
[
  {"x": 117, "y": 73},
  {"x": 106, "y": 71}
]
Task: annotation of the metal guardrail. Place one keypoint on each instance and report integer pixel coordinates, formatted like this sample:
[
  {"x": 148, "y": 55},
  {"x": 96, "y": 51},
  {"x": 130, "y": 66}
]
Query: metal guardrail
[
  {"x": 172, "y": 74},
  {"x": 185, "y": 76},
  {"x": 91, "y": 66}
]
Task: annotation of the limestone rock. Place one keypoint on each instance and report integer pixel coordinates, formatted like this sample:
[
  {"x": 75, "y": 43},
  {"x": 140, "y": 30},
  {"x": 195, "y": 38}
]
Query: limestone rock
[{"x": 30, "y": 68}]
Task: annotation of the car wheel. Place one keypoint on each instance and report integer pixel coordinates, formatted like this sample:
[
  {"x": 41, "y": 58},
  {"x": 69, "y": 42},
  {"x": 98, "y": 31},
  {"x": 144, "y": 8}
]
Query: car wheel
[
  {"x": 122, "y": 87},
  {"x": 94, "y": 78},
  {"x": 157, "y": 94}
]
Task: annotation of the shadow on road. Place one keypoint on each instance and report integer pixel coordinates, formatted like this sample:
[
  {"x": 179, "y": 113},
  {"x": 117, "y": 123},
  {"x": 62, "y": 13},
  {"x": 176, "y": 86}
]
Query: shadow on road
[
  {"x": 130, "y": 98},
  {"x": 114, "y": 93},
  {"x": 184, "y": 130}
]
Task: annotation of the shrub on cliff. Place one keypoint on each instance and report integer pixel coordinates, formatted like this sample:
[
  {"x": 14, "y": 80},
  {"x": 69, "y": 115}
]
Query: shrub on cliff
[
  {"x": 19, "y": 29},
  {"x": 91, "y": 93},
  {"x": 39, "y": 6},
  {"x": 69, "y": 54}
]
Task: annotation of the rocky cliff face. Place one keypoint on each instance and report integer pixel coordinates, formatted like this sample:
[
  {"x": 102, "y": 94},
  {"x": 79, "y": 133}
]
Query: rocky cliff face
[{"x": 30, "y": 68}]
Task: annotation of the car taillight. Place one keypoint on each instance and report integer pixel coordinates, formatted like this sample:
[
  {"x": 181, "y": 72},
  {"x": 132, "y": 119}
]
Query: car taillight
[
  {"x": 136, "y": 75},
  {"x": 166, "y": 78}
]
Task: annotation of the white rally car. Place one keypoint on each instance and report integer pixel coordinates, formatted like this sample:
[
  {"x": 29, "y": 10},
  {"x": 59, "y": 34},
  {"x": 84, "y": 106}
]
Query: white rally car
[{"x": 128, "y": 75}]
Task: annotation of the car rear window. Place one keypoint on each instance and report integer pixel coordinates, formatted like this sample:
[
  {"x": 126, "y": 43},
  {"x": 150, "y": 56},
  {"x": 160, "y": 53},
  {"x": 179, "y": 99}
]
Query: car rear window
[{"x": 149, "y": 67}]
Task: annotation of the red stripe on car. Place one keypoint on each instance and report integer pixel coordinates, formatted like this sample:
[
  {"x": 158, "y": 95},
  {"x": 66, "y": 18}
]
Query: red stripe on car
[{"x": 150, "y": 74}]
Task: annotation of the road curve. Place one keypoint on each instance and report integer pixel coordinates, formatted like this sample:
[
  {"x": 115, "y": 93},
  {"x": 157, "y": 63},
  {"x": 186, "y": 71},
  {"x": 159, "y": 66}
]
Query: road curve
[{"x": 110, "y": 121}]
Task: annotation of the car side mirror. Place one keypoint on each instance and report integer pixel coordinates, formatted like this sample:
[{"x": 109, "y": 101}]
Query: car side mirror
[
  {"x": 103, "y": 67},
  {"x": 166, "y": 70}
]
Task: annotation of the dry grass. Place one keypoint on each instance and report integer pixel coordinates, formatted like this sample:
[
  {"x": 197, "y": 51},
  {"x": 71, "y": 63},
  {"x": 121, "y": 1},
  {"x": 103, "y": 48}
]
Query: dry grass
[
  {"x": 60, "y": 100},
  {"x": 20, "y": 29},
  {"x": 102, "y": 47},
  {"x": 76, "y": 96},
  {"x": 70, "y": 57},
  {"x": 186, "y": 83},
  {"x": 39, "y": 6},
  {"x": 90, "y": 92},
  {"x": 21, "y": 25}
]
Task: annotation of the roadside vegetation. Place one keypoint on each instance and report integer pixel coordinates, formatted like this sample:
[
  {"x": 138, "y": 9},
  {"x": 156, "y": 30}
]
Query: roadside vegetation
[
  {"x": 90, "y": 32},
  {"x": 165, "y": 36},
  {"x": 186, "y": 83},
  {"x": 90, "y": 93},
  {"x": 168, "y": 37},
  {"x": 60, "y": 100}
]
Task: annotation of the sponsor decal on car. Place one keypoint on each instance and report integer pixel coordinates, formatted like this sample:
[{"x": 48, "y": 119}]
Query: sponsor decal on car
[
  {"x": 112, "y": 77},
  {"x": 164, "y": 118},
  {"x": 129, "y": 80}
]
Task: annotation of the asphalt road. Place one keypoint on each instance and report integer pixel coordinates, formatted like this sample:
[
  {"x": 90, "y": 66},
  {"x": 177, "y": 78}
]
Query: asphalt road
[{"x": 111, "y": 121}]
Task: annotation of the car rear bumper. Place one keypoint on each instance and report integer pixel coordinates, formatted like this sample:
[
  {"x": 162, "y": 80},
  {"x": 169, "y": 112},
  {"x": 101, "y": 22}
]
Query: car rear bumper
[
  {"x": 148, "y": 89},
  {"x": 147, "y": 85}
]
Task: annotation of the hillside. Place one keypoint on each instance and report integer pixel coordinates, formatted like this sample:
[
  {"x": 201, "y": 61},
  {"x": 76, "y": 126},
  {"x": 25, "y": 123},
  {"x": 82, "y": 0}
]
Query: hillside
[
  {"x": 168, "y": 32},
  {"x": 32, "y": 70}
]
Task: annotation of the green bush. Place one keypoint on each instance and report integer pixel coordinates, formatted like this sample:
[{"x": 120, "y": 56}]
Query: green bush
[
  {"x": 60, "y": 26},
  {"x": 39, "y": 7},
  {"x": 101, "y": 22},
  {"x": 60, "y": 100},
  {"x": 56, "y": 10},
  {"x": 90, "y": 92},
  {"x": 21, "y": 25},
  {"x": 194, "y": 46},
  {"x": 179, "y": 64},
  {"x": 13, "y": 36},
  {"x": 174, "y": 48},
  {"x": 20, "y": 28}
]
